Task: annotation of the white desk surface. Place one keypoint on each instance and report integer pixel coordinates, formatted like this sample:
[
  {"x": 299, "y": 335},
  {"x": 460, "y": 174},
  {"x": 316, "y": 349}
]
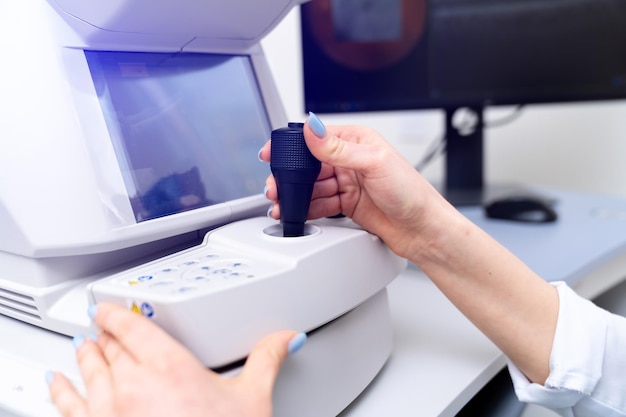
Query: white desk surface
[{"x": 439, "y": 360}]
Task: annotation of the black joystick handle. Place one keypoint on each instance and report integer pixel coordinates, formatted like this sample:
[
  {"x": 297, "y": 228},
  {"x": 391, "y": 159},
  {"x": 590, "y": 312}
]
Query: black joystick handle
[{"x": 295, "y": 170}]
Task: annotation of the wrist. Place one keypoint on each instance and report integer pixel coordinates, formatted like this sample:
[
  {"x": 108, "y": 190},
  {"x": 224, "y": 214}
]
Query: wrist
[{"x": 434, "y": 237}]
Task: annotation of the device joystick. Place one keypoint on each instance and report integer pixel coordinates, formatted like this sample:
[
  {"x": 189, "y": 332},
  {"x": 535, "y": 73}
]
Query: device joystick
[{"x": 295, "y": 170}]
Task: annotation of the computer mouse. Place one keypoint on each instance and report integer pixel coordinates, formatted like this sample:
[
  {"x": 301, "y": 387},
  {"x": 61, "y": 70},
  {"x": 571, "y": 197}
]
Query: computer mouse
[{"x": 529, "y": 209}]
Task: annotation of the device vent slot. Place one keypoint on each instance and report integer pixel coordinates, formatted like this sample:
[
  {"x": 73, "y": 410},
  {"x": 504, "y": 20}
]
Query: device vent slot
[
  {"x": 18, "y": 313},
  {"x": 15, "y": 302},
  {"x": 12, "y": 295}
]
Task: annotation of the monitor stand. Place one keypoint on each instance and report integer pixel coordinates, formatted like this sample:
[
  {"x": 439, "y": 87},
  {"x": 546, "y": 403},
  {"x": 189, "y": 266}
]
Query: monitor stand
[{"x": 464, "y": 182}]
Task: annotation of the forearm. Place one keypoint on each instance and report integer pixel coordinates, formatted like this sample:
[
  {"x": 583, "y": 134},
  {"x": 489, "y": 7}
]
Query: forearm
[{"x": 508, "y": 302}]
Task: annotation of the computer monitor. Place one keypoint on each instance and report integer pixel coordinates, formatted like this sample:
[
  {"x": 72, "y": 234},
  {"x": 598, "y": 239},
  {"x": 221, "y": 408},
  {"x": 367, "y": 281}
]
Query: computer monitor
[{"x": 378, "y": 55}]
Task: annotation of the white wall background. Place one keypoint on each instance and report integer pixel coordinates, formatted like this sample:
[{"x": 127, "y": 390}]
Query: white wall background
[{"x": 573, "y": 146}]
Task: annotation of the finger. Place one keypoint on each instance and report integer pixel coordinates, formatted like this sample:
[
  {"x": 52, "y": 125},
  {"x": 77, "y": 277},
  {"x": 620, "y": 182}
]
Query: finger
[
  {"x": 96, "y": 376},
  {"x": 322, "y": 188},
  {"x": 358, "y": 151},
  {"x": 265, "y": 360},
  {"x": 325, "y": 202},
  {"x": 271, "y": 191},
  {"x": 274, "y": 211},
  {"x": 114, "y": 354},
  {"x": 141, "y": 338},
  {"x": 325, "y": 188},
  {"x": 67, "y": 400},
  {"x": 325, "y": 207},
  {"x": 327, "y": 173},
  {"x": 264, "y": 153}
]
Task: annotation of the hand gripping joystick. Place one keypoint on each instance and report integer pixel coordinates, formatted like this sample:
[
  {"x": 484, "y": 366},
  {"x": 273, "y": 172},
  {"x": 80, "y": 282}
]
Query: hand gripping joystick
[{"x": 295, "y": 170}]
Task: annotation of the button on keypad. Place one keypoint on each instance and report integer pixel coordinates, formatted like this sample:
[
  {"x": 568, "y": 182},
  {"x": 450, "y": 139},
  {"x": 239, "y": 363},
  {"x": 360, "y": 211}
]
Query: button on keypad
[{"x": 200, "y": 271}]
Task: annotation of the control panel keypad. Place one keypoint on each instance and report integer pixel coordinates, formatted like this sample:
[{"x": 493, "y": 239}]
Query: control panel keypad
[{"x": 200, "y": 270}]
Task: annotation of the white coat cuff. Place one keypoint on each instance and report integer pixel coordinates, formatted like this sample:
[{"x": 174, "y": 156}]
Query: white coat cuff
[{"x": 576, "y": 358}]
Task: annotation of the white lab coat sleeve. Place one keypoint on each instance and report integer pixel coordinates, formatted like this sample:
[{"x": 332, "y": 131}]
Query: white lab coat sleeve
[{"x": 587, "y": 363}]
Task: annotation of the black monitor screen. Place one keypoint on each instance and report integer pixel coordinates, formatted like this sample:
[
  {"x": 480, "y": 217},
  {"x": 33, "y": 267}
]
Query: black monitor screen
[
  {"x": 186, "y": 128},
  {"x": 364, "y": 55},
  {"x": 376, "y": 55}
]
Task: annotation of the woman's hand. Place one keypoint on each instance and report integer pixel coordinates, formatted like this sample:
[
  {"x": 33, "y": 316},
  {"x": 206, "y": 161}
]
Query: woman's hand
[
  {"x": 364, "y": 178},
  {"x": 133, "y": 368}
]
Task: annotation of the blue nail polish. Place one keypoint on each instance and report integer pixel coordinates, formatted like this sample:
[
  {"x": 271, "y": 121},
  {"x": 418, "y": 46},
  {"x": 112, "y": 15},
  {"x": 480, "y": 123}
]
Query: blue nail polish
[
  {"x": 265, "y": 190},
  {"x": 296, "y": 343},
  {"x": 91, "y": 311},
  {"x": 316, "y": 125},
  {"x": 259, "y": 155},
  {"x": 78, "y": 341},
  {"x": 93, "y": 337},
  {"x": 49, "y": 376},
  {"x": 269, "y": 211}
]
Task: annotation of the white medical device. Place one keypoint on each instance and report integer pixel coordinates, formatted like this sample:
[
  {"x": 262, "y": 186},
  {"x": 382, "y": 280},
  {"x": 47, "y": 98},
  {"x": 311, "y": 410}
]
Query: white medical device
[
  {"x": 246, "y": 281},
  {"x": 130, "y": 174}
]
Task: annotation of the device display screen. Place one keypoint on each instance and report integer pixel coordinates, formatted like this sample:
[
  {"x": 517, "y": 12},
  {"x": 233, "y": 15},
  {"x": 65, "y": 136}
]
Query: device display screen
[{"x": 186, "y": 128}]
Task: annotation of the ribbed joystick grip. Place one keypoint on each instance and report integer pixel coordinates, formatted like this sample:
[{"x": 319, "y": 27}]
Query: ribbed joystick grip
[{"x": 295, "y": 170}]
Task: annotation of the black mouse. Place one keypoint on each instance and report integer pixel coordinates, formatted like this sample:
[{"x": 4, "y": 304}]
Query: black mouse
[{"x": 530, "y": 209}]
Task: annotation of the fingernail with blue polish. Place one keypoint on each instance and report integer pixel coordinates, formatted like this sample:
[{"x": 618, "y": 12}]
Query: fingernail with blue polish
[
  {"x": 316, "y": 125},
  {"x": 296, "y": 343},
  {"x": 269, "y": 211},
  {"x": 265, "y": 189},
  {"x": 78, "y": 341},
  {"x": 49, "y": 376},
  {"x": 93, "y": 337},
  {"x": 91, "y": 311},
  {"x": 259, "y": 155}
]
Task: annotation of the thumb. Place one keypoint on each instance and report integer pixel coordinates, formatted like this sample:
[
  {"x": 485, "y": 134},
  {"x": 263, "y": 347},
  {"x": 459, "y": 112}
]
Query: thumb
[
  {"x": 265, "y": 360},
  {"x": 348, "y": 147}
]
